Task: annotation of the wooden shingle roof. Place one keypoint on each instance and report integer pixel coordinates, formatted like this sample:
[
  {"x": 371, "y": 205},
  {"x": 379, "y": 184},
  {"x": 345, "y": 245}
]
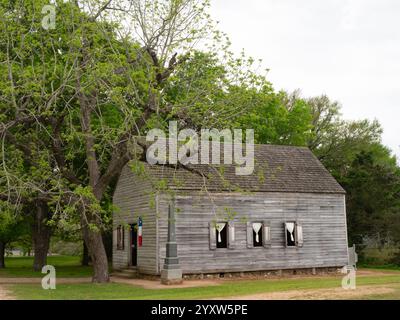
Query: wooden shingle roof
[{"x": 277, "y": 169}]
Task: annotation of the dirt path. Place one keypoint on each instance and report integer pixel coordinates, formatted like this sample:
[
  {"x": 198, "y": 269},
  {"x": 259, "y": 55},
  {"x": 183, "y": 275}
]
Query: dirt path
[
  {"x": 146, "y": 284},
  {"x": 39, "y": 280},
  {"x": 318, "y": 294},
  {"x": 155, "y": 284},
  {"x": 5, "y": 294},
  {"x": 377, "y": 273}
]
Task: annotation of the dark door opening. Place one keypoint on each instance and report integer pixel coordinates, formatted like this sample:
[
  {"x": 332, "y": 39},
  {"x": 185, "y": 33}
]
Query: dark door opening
[{"x": 133, "y": 244}]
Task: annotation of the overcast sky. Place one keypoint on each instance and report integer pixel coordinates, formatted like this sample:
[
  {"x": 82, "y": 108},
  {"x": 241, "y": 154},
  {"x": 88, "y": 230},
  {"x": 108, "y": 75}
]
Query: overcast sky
[{"x": 347, "y": 49}]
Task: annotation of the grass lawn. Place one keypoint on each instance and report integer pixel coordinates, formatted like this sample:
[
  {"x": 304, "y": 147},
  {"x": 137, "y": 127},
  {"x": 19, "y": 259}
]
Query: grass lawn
[
  {"x": 66, "y": 266},
  {"x": 227, "y": 288}
]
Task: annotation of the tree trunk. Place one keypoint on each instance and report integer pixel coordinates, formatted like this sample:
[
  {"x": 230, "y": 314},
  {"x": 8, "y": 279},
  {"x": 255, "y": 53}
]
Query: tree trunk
[
  {"x": 2, "y": 254},
  {"x": 107, "y": 241},
  {"x": 85, "y": 255},
  {"x": 97, "y": 252},
  {"x": 41, "y": 236}
]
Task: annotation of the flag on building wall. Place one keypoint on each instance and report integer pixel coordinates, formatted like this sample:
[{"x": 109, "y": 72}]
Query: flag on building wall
[{"x": 140, "y": 237}]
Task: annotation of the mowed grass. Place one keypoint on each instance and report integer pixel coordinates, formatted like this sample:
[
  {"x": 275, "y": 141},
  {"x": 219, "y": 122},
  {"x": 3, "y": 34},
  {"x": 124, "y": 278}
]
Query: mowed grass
[
  {"x": 66, "y": 267},
  {"x": 227, "y": 288}
]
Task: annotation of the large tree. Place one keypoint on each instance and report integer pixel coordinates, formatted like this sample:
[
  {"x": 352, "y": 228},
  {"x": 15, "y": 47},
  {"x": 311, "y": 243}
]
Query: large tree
[{"x": 75, "y": 98}]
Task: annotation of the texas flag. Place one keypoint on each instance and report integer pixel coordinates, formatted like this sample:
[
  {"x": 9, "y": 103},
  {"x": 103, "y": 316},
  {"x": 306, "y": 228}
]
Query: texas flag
[{"x": 140, "y": 237}]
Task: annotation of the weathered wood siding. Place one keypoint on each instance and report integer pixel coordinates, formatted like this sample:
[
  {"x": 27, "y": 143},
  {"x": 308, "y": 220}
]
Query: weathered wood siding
[
  {"x": 323, "y": 218},
  {"x": 132, "y": 199}
]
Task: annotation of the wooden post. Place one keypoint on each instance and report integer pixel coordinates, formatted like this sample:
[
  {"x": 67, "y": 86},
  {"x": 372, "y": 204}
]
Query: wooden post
[
  {"x": 171, "y": 273},
  {"x": 314, "y": 271}
]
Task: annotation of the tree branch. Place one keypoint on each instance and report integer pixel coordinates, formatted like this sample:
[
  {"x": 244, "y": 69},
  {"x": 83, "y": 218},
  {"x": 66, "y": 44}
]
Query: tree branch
[
  {"x": 59, "y": 153},
  {"x": 104, "y": 7}
]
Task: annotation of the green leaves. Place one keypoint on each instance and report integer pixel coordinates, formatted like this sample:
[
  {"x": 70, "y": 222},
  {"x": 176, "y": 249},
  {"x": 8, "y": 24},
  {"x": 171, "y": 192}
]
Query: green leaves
[
  {"x": 12, "y": 225},
  {"x": 373, "y": 198},
  {"x": 278, "y": 118}
]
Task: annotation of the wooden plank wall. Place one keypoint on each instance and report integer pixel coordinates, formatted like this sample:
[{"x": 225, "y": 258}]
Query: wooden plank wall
[
  {"x": 323, "y": 218},
  {"x": 133, "y": 199}
]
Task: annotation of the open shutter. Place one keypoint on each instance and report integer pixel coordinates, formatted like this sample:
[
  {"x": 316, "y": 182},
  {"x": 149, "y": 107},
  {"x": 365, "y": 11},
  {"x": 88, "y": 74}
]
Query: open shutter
[
  {"x": 123, "y": 238},
  {"x": 285, "y": 237},
  {"x": 212, "y": 232},
  {"x": 119, "y": 238},
  {"x": 299, "y": 234},
  {"x": 115, "y": 242},
  {"x": 249, "y": 228},
  {"x": 231, "y": 235},
  {"x": 266, "y": 234}
]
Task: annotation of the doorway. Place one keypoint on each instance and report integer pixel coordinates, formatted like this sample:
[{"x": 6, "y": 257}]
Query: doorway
[{"x": 133, "y": 244}]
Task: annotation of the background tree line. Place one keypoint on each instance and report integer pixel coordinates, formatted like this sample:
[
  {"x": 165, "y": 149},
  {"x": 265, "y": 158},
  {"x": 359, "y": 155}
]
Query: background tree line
[{"x": 74, "y": 99}]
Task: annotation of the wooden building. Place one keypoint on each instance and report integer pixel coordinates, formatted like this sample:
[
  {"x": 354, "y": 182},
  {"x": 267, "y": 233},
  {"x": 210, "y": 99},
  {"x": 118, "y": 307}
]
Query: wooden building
[{"x": 289, "y": 214}]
